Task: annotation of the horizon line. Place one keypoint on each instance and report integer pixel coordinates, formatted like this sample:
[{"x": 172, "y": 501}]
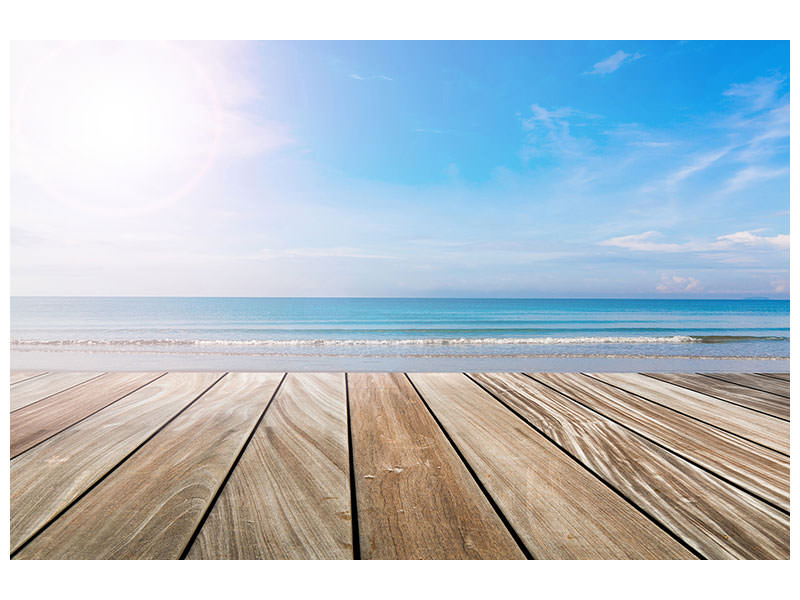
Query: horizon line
[{"x": 755, "y": 297}]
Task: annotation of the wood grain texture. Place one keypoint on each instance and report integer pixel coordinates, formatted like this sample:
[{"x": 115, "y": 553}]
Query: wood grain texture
[
  {"x": 753, "y": 381},
  {"x": 289, "y": 495},
  {"x": 151, "y": 505},
  {"x": 777, "y": 406},
  {"x": 759, "y": 470},
  {"x": 781, "y": 376},
  {"x": 33, "y": 390},
  {"x": 759, "y": 428},
  {"x": 415, "y": 498},
  {"x": 46, "y": 479},
  {"x": 19, "y": 376},
  {"x": 555, "y": 505},
  {"x": 36, "y": 422},
  {"x": 716, "y": 519}
]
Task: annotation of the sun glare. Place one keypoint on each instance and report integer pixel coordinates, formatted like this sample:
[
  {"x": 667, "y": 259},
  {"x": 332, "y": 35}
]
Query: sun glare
[{"x": 116, "y": 127}]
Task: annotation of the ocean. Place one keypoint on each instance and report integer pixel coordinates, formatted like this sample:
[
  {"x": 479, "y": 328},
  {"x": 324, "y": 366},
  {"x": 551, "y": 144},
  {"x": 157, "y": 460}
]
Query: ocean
[{"x": 394, "y": 334}]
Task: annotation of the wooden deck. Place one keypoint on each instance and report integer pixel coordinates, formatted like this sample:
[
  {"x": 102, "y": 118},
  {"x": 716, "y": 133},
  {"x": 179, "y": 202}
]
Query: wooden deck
[{"x": 399, "y": 466}]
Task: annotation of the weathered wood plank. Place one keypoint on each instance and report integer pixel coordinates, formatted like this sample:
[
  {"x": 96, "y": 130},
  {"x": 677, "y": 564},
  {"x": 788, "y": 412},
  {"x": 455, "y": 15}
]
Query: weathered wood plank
[
  {"x": 781, "y": 376},
  {"x": 36, "y": 422},
  {"x": 289, "y": 495},
  {"x": 759, "y": 428},
  {"x": 151, "y": 505},
  {"x": 415, "y": 498},
  {"x": 777, "y": 406},
  {"x": 759, "y": 470},
  {"x": 714, "y": 518},
  {"x": 558, "y": 508},
  {"x": 47, "y": 478},
  {"x": 753, "y": 381},
  {"x": 33, "y": 390},
  {"x": 20, "y": 376}
]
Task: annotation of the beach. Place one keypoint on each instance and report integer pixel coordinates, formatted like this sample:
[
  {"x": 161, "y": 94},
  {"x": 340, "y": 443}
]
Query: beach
[
  {"x": 342, "y": 428},
  {"x": 408, "y": 334}
]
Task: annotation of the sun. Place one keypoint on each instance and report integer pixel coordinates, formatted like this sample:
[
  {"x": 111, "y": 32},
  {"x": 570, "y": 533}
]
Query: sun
[{"x": 116, "y": 128}]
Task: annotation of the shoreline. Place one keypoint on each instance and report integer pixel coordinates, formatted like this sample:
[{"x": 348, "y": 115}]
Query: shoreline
[{"x": 59, "y": 360}]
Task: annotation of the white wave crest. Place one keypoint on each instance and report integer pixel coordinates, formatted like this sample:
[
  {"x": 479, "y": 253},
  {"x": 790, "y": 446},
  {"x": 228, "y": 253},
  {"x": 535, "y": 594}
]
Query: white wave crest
[{"x": 535, "y": 341}]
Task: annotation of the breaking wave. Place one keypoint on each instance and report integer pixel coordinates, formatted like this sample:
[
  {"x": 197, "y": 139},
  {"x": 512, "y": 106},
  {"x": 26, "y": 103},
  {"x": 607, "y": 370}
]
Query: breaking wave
[{"x": 529, "y": 341}]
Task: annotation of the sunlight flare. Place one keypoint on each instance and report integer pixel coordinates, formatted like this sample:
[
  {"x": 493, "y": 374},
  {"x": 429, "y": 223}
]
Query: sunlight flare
[{"x": 122, "y": 128}]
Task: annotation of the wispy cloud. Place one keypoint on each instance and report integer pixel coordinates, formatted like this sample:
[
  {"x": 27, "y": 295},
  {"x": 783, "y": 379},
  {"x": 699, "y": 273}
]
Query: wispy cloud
[
  {"x": 652, "y": 144},
  {"x": 643, "y": 242},
  {"x": 768, "y": 133},
  {"x": 700, "y": 162},
  {"x": 744, "y": 147},
  {"x": 758, "y": 93},
  {"x": 358, "y": 77},
  {"x": 613, "y": 62},
  {"x": 550, "y": 130},
  {"x": 752, "y": 174},
  {"x": 648, "y": 242}
]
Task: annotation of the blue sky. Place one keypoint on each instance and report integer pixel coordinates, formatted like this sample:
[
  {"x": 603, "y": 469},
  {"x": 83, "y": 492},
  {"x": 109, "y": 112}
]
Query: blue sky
[{"x": 524, "y": 169}]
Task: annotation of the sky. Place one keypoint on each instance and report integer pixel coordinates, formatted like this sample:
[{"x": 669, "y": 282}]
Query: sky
[{"x": 442, "y": 169}]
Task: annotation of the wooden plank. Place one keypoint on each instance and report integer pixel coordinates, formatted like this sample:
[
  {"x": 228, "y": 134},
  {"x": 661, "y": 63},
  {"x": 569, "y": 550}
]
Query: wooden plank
[
  {"x": 716, "y": 519},
  {"x": 20, "y": 376},
  {"x": 753, "y": 381},
  {"x": 151, "y": 505},
  {"x": 289, "y": 495},
  {"x": 759, "y": 428},
  {"x": 781, "y": 376},
  {"x": 415, "y": 497},
  {"x": 47, "y": 478},
  {"x": 36, "y": 422},
  {"x": 33, "y": 390},
  {"x": 558, "y": 508},
  {"x": 758, "y": 470},
  {"x": 777, "y": 406}
]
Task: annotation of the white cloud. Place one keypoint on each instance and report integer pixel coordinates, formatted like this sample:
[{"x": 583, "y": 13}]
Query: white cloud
[
  {"x": 750, "y": 238},
  {"x": 613, "y": 62},
  {"x": 676, "y": 284},
  {"x": 646, "y": 242}
]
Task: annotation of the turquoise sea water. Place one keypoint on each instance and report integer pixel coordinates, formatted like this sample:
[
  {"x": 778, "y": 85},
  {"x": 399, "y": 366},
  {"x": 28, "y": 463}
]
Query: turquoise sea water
[{"x": 396, "y": 334}]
